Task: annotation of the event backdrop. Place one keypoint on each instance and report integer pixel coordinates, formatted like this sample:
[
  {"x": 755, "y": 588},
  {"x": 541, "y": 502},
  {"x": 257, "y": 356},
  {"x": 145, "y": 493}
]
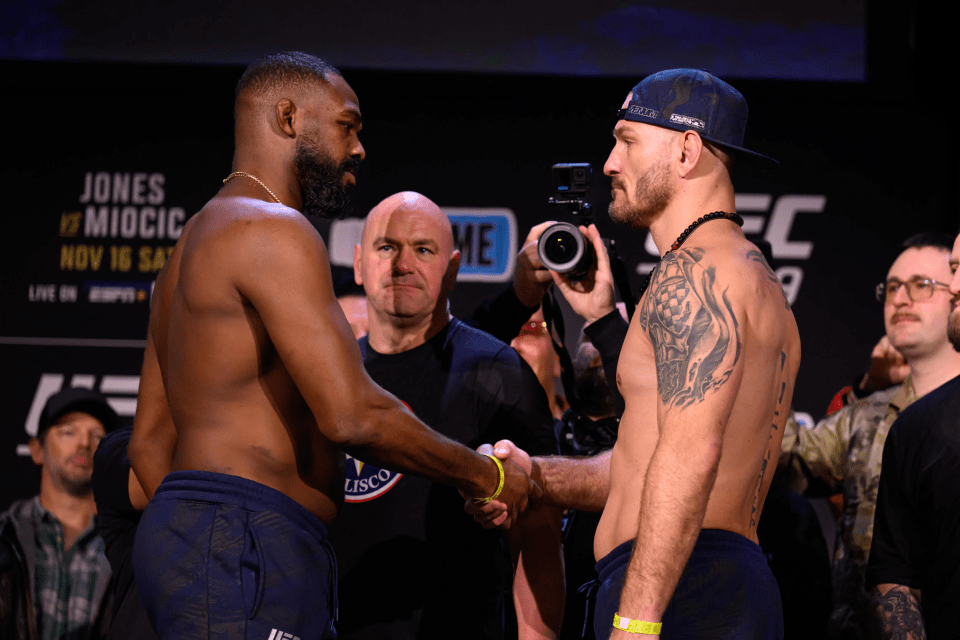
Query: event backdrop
[
  {"x": 810, "y": 40},
  {"x": 106, "y": 162}
]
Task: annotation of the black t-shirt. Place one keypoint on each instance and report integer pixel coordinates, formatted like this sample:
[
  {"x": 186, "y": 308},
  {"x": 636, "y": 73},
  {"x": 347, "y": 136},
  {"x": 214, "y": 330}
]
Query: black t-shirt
[
  {"x": 916, "y": 531},
  {"x": 117, "y": 521},
  {"x": 412, "y": 562}
]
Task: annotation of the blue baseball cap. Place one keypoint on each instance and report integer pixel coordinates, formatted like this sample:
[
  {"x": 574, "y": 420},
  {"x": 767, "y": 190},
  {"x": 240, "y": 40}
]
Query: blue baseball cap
[{"x": 691, "y": 99}]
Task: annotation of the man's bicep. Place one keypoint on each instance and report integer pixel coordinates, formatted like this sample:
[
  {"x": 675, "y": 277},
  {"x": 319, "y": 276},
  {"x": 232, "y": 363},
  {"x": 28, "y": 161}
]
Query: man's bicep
[
  {"x": 695, "y": 328},
  {"x": 288, "y": 284}
]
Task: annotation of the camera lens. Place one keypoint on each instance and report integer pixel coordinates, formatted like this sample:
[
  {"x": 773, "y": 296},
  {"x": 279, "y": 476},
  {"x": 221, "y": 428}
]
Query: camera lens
[{"x": 562, "y": 248}]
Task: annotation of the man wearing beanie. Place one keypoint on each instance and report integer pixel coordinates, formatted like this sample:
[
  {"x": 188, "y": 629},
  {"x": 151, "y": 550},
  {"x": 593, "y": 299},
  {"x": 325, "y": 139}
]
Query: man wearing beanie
[
  {"x": 706, "y": 372},
  {"x": 61, "y": 568}
]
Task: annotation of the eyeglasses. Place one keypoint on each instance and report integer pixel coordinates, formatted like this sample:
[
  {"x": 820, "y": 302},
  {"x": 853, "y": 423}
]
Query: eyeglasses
[{"x": 917, "y": 289}]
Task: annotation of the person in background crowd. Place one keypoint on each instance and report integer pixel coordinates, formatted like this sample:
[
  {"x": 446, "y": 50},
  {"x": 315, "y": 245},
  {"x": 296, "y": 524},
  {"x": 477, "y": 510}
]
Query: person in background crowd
[
  {"x": 59, "y": 576},
  {"x": 352, "y": 299},
  {"x": 535, "y": 346},
  {"x": 887, "y": 368},
  {"x": 843, "y": 452},
  {"x": 913, "y": 571},
  {"x": 435, "y": 571}
]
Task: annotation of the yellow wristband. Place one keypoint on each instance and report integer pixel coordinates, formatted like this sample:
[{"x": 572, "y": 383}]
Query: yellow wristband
[
  {"x": 499, "y": 486},
  {"x": 636, "y": 626}
]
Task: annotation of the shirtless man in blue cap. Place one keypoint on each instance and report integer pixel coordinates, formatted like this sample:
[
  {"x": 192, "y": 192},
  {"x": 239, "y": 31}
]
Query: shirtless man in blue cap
[{"x": 707, "y": 373}]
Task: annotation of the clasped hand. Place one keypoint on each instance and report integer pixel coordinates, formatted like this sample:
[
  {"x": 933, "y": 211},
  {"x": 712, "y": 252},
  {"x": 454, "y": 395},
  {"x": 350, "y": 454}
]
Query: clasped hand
[{"x": 521, "y": 487}]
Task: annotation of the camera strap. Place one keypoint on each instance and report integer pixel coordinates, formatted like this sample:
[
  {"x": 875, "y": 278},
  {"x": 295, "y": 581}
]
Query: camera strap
[
  {"x": 620, "y": 278},
  {"x": 553, "y": 317}
]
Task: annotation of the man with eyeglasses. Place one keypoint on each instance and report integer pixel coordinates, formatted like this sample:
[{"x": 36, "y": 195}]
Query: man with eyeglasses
[
  {"x": 914, "y": 568},
  {"x": 843, "y": 452}
]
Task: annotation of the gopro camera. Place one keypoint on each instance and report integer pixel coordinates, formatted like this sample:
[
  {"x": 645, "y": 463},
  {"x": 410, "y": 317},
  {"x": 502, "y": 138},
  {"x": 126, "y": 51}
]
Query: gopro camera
[
  {"x": 562, "y": 248},
  {"x": 572, "y": 178}
]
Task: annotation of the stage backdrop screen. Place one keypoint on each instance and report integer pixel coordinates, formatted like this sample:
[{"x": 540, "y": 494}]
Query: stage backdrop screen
[{"x": 812, "y": 40}]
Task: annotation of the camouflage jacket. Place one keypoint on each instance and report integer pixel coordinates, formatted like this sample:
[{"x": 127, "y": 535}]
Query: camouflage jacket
[{"x": 843, "y": 452}]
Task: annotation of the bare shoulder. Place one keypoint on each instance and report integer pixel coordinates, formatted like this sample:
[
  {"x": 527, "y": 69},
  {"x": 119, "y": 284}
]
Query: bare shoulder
[
  {"x": 711, "y": 305},
  {"x": 250, "y": 221},
  {"x": 693, "y": 323},
  {"x": 246, "y": 239},
  {"x": 738, "y": 268},
  {"x": 755, "y": 292}
]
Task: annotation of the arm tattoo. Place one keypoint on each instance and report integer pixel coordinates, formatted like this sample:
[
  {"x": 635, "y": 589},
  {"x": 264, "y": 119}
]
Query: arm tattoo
[
  {"x": 692, "y": 331},
  {"x": 896, "y": 615},
  {"x": 757, "y": 257}
]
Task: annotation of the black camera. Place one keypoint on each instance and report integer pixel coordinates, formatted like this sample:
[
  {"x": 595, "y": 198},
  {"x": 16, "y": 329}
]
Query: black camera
[
  {"x": 562, "y": 248},
  {"x": 571, "y": 178}
]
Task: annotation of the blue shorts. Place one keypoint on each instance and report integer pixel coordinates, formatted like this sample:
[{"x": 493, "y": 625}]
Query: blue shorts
[
  {"x": 726, "y": 591},
  {"x": 218, "y": 556}
]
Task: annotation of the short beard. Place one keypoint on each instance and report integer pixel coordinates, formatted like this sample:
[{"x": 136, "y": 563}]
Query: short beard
[
  {"x": 76, "y": 487},
  {"x": 652, "y": 195},
  {"x": 322, "y": 190},
  {"x": 953, "y": 329}
]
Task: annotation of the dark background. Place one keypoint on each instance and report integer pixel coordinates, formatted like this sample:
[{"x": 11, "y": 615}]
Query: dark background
[{"x": 861, "y": 118}]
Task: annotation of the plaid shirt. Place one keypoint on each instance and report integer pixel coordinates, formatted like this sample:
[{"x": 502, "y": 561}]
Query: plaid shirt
[{"x": 65, "y": 580}]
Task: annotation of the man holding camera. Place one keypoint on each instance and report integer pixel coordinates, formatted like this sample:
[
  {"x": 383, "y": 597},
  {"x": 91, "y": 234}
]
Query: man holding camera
[{"x": 707, "y": 373}]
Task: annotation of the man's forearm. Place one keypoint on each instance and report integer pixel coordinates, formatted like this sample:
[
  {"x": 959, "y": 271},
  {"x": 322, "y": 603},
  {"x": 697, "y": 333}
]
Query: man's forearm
[
  {"x": 538, "y": 585},
  {"x": 574, "y": 483},
  {"x": 895, "y": 613},
  {"x": 676, "y": 489},
  {"x": 386, "y": 434}
]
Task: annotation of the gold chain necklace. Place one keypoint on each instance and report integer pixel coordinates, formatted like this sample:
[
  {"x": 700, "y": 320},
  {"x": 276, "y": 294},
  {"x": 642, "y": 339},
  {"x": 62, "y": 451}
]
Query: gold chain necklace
[{"x": 244, "y": 174}]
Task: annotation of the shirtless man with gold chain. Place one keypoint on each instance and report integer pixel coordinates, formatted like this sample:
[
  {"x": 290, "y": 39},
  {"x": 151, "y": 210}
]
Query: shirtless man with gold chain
[{"x": 253, "y": 384}]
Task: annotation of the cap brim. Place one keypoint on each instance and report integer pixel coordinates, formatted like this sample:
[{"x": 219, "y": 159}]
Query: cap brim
[
  {"x": 743, "y": 155},
  {"x": 746, "y": 156}
]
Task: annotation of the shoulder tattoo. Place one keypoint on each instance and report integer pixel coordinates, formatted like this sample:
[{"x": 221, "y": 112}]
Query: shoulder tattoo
[
  {"x": 755, "y": 256},
  {"x": 692, "y": 327}
]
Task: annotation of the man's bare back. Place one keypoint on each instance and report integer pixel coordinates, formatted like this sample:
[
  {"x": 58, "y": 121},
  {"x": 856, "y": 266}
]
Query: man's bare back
[
  {"x": 237, "y": 409},
  {"x": 745, "y": 328}
]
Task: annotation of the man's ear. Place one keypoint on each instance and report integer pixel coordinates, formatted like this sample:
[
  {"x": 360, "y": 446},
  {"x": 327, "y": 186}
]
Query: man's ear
[
  {"x": 356, "y": 265},
  {"x": 286, "y": 113},
  {"x": 691, "y": 147},
  {"x": 36, "y": 451},
  {"x": 453, "y": 268}
]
